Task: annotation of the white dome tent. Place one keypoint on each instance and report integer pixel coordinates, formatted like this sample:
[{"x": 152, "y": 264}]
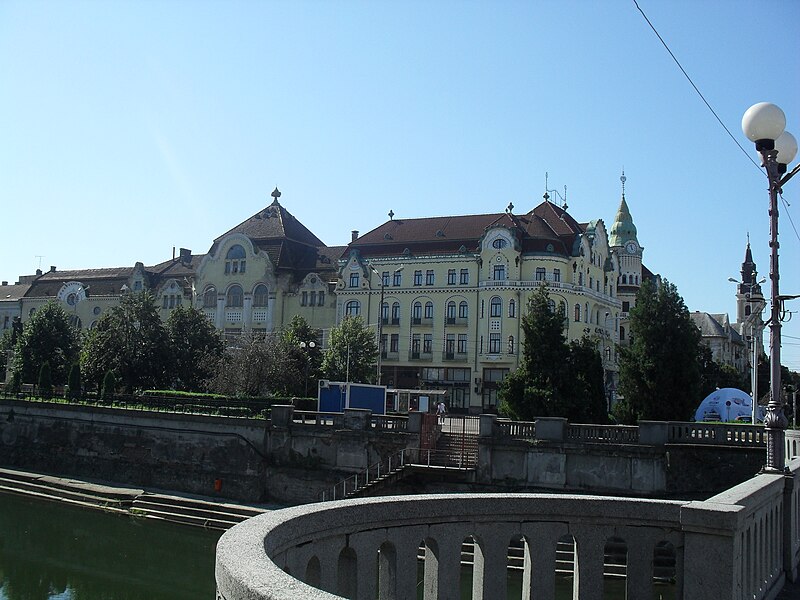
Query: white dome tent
[{"x": 727, "y": 404}]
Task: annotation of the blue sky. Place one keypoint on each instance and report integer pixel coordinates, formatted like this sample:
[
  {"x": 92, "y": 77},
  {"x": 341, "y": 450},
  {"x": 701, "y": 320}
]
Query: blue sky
[{"x": 127, "y": 128}]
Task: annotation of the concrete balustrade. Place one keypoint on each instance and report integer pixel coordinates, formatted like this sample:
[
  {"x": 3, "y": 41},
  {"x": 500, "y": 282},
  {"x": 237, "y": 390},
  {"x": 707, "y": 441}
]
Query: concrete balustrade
[{"x": 743, "y": 543}]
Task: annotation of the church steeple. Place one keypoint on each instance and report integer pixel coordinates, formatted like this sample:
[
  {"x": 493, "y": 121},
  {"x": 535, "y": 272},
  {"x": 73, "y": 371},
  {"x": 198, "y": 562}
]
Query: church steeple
[
  {"x": 749, "y": 284},
  {"x": 623, "y": 230}
]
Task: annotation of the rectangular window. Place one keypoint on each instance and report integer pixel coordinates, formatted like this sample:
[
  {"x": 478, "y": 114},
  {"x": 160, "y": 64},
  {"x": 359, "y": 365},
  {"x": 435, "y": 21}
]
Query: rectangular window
[
  {"x": 313, "y": 299},
  {"x": 304, "y": 299},
  {"x": 494, "y": 343},
  {"x": 166, "y": 302},
  {"x": 499, "y": 273},
  {"x": 417, "y": 277},
  {"x": 385, "y": 278},
  {"x": 235, "y": 266},
  {"x": 242, "y": 266},
  {"x": 227, "y": 267},
  {"x": 415, "y": 342},
  {"x": 172, "y": 301},
  {"x": 429, "y": 277},
  {"x": 557, "y": 275},
  {"x": 354, "y": 280},
  {"x": 394, "y": 342},
  {"x": 321, "y": 299},
  {"x": 462, "y": 343},
  {"x": 626, "y": 307},
  {"x": 464, "y": 277},
  {"x": 384, "y": 344},
  {"x": 450, "y": 343},
  {"x": 451, "y": 277},
  {"x": 483, "y": 305},
  {"x": 540, "y": 273},
  {"x": 427, "y": 343},
  {"x": 178, "y": 300},
  {"x": 463, "y": 310},
  {"x": 397, "y": 278}
]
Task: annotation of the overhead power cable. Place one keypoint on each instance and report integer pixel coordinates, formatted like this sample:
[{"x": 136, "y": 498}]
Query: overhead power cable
[{"x": 699, "y": 93}]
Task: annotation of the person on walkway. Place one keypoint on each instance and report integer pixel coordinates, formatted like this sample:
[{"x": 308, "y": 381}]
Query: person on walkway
[{"x": 441, "y": 409}]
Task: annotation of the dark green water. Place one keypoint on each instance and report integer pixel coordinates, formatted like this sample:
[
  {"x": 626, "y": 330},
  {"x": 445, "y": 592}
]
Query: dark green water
[{"x": 54, "y": 551}]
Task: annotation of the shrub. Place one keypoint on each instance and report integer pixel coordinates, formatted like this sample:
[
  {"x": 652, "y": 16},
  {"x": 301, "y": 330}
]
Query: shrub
[
  {"x": 109, "y": 387},
  {"x": 74, "y": 381},
  {"x": 45, "y": 380}
]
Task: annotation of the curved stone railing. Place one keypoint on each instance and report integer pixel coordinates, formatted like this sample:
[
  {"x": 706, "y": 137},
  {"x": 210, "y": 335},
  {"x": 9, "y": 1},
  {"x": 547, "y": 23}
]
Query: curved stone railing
[{"x": 369, "y": 548}]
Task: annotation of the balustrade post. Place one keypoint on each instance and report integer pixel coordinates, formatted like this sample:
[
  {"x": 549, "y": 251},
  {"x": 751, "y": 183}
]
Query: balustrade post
[
  {"x": 449, "y": 538},
  {"x": 590, "y": 545}
]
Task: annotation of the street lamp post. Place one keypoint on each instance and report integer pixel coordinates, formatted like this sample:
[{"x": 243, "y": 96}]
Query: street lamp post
[{"x": 764, "y": 124}]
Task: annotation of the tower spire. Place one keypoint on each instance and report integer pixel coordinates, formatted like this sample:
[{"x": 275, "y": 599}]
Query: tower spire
[{"x": 623, "y": 179}]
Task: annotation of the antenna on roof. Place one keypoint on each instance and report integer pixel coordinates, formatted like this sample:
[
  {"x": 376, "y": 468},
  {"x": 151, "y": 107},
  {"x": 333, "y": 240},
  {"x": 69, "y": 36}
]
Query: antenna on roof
[
  {"x": 546, "y": 195},
  {"x": 40, "y": 260},
  {"x": 564, "y": 206},
  {"x": 556, "y": 193},
  {"x": 623, "y": 179}
]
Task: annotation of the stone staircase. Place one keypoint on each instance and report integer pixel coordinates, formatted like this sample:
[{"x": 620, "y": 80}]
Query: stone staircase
[
  {"x": 457, "y": 450},
  {"x": 199, "y": 511}
]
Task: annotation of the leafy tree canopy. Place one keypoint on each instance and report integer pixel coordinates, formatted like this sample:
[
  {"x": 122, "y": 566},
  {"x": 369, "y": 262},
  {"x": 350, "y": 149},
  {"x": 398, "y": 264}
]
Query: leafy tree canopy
[
  {"x": 132, "y": 342},
  {"x": 46, "y": 337},
  {"x": 254, "y": 365},
  {"x": 352, "y": 352},
  {"x": 660, "y": 369},
  {"x": 195, "y": 345},
  {"x": 304, "y": 350},
  {"x": 555, "y": 378}
]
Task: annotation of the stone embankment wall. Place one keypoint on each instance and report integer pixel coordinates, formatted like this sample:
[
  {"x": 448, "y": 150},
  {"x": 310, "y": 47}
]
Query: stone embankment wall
[{"x": 244, "y": 459}]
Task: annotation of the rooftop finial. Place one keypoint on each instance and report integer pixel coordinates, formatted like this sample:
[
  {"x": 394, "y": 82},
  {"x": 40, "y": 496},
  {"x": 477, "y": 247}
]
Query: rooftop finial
[
  {"x": 391, "y": 214},
  {"x": 748, "y": 239},
  {"x": 564, "y": 206},
  {"x": 546, "y": 195},
  {"x": 623, "y": 179},
  {"x": 510, "y": 207},
  {"x": 276, "y": 193}
]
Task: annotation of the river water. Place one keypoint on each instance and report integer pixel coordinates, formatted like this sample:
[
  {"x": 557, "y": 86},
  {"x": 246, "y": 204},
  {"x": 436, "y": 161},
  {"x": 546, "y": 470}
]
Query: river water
[{"x": 52, "y": 550}]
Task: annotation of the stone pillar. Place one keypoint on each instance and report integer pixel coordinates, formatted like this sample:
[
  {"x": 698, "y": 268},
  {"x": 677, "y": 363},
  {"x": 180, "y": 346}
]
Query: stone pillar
[
  {"x": 640, "y": 566},
  {"x": 366, "y": 545},
  {"x": 406, "y": 541},
  {"x": 653, "y": 433},
  {"x": 539, "y": 577},
  {"x": 219, "y": 318},
  {"x": 552, "y": 429},
  {"x": 789, "y": 527},
  {"x": 247, "y": 311},
  {"x": 271, "y": 312},
  {"x": 282, "y": 415},
  {"x": 489, "y": 579},
  {"x": 357, "y": 419},
  {"x": 448, "y": 537},
  {"x": 415, "y": 422},
  {"x": 709, "y": 539},
  {"x": 590, "y": 545},
  {"x": 487, "y": 425}
]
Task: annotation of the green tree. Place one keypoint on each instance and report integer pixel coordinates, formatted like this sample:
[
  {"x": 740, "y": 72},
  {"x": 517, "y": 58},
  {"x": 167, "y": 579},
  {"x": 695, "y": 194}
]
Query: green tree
[
  {"x": 45, "y": 381},
  {"x": 660, "y": 369},
  {"x": 131, "y": 341},
  {"x": 555, "y": 378},
  {"x": 6, "y": 345},
  {"x": 301, "y": 342},
  {"x": 254, "y": 365},
  {"x": 195, "y": 344},
  {"x": 352, "y": 352},
  {"x": 109, "y": 386},
  {"x": 47, "y": 337},
  {"x": 74, "y": 381}
]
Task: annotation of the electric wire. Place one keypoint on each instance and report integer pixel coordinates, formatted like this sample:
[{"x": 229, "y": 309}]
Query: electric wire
[
  {"x": 699, "y": 93},
  {"x": 789, "y": 215}
]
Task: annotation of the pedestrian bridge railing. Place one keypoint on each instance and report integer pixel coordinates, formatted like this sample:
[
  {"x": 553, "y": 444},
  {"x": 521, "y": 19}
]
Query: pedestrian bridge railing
[{"x": 743, "y": 543}]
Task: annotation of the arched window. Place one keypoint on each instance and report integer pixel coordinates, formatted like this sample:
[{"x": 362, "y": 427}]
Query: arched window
[
  {"x": 577, "y": 313},
  {"x": 463, "y": 310},
  {"x": 580, "y": 278},
  {"x": 624, "y": 279},
  {"x": 260, "y": 295},
  {"x": 621, "y": 334},
  {"x": 210, "y": 298},
  {"x": 395, "y": 313},
  {"x": 235, "y": 297},
  {"x": 429, "y": 310},
  {"x": 235, "y": 260},
  {"x": 385, "y": 312},
  {"x": 551, "y": 305},
  {"x": 511, "y": 344},
  {"x": 496, "y": 307},
  {"x": 451, "y": 311},
  {"x": 512, "y": 308},
  {"x": 352, "y": 308},
  {"x": 416, "y": 310},
  {"x": 586, "y": 314}
]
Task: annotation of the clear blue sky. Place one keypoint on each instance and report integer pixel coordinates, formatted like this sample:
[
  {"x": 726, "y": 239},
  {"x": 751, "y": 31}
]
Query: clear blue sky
[{"x": 127, "y": 128}]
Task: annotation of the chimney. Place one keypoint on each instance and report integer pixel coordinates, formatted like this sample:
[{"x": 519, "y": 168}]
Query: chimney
[
  {"x": 52, "y": 268},
  {"x": 186, "y": 255},
  {"x": 173, "y": 253},
  {"x": 354, "y": 235},
  {"x": 5, "y": 283},
  {"x": 38, "y": 271}
]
